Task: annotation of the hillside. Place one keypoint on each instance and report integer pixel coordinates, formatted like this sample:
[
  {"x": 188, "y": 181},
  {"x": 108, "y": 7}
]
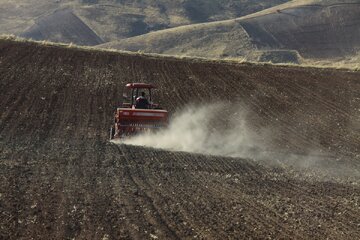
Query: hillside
[
  {"x": 113, "y": 20},
  {"x": 298, "y": 31},
  {"x": 62, "y": 26},
  {"x": 62, "y": 179}
]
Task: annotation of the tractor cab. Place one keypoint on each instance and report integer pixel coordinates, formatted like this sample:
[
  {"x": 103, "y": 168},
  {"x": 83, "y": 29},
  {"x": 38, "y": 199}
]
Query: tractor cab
[{"x": 139, "y": 96}]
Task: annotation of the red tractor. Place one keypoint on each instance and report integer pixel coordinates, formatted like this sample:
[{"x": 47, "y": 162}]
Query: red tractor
[{"x": 139, "y": 113}]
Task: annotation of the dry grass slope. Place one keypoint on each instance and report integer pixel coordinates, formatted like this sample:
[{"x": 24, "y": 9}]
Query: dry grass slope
[{"x": 345, "y": 66}]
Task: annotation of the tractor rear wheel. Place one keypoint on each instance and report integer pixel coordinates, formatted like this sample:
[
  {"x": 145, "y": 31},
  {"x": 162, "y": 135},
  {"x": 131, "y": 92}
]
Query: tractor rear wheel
[{"x": 112, "y": 133}]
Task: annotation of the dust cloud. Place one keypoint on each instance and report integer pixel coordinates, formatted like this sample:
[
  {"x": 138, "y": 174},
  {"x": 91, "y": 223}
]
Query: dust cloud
[
  {"x": 198, "y": 129},
  {"x": 217, "y": 129}
]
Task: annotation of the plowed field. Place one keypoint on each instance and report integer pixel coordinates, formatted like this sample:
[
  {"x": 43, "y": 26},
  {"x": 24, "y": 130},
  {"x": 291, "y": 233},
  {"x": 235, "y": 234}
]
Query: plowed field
[{"x": 62, "y": 179}]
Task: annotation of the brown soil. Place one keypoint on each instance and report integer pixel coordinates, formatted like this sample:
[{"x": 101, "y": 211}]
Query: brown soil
[{"x": 62, "y": 179}]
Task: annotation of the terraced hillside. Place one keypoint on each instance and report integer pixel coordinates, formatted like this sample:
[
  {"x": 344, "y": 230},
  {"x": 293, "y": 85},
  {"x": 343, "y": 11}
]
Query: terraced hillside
[
  {"x": 61, "y": 178},
  {"x": 312, "y": 30}
]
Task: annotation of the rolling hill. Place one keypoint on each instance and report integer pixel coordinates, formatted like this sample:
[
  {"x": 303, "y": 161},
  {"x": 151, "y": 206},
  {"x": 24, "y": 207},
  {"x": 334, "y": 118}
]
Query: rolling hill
[
  {"x": 62, "y": 179},
  {"x": 113, "y": 20},
  {"x": 292, "y": 32}
]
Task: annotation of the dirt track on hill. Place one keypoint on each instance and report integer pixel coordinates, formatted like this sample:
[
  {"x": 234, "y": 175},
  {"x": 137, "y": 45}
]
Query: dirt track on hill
[{"x": 61, "y": 178}]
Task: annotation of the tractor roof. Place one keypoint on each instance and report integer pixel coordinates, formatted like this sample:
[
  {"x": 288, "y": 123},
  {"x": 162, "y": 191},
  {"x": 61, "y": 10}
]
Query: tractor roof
[{"x": 139, "y": 85}]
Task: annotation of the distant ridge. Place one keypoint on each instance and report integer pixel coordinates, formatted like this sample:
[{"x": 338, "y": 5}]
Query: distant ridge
[
  {"x": 62, "y": 26},
  {"x": 112, "y": 20}
]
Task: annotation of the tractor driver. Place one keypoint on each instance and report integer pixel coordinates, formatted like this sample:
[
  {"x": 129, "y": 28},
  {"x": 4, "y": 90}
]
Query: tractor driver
[{"x": 142, "y": 102}]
